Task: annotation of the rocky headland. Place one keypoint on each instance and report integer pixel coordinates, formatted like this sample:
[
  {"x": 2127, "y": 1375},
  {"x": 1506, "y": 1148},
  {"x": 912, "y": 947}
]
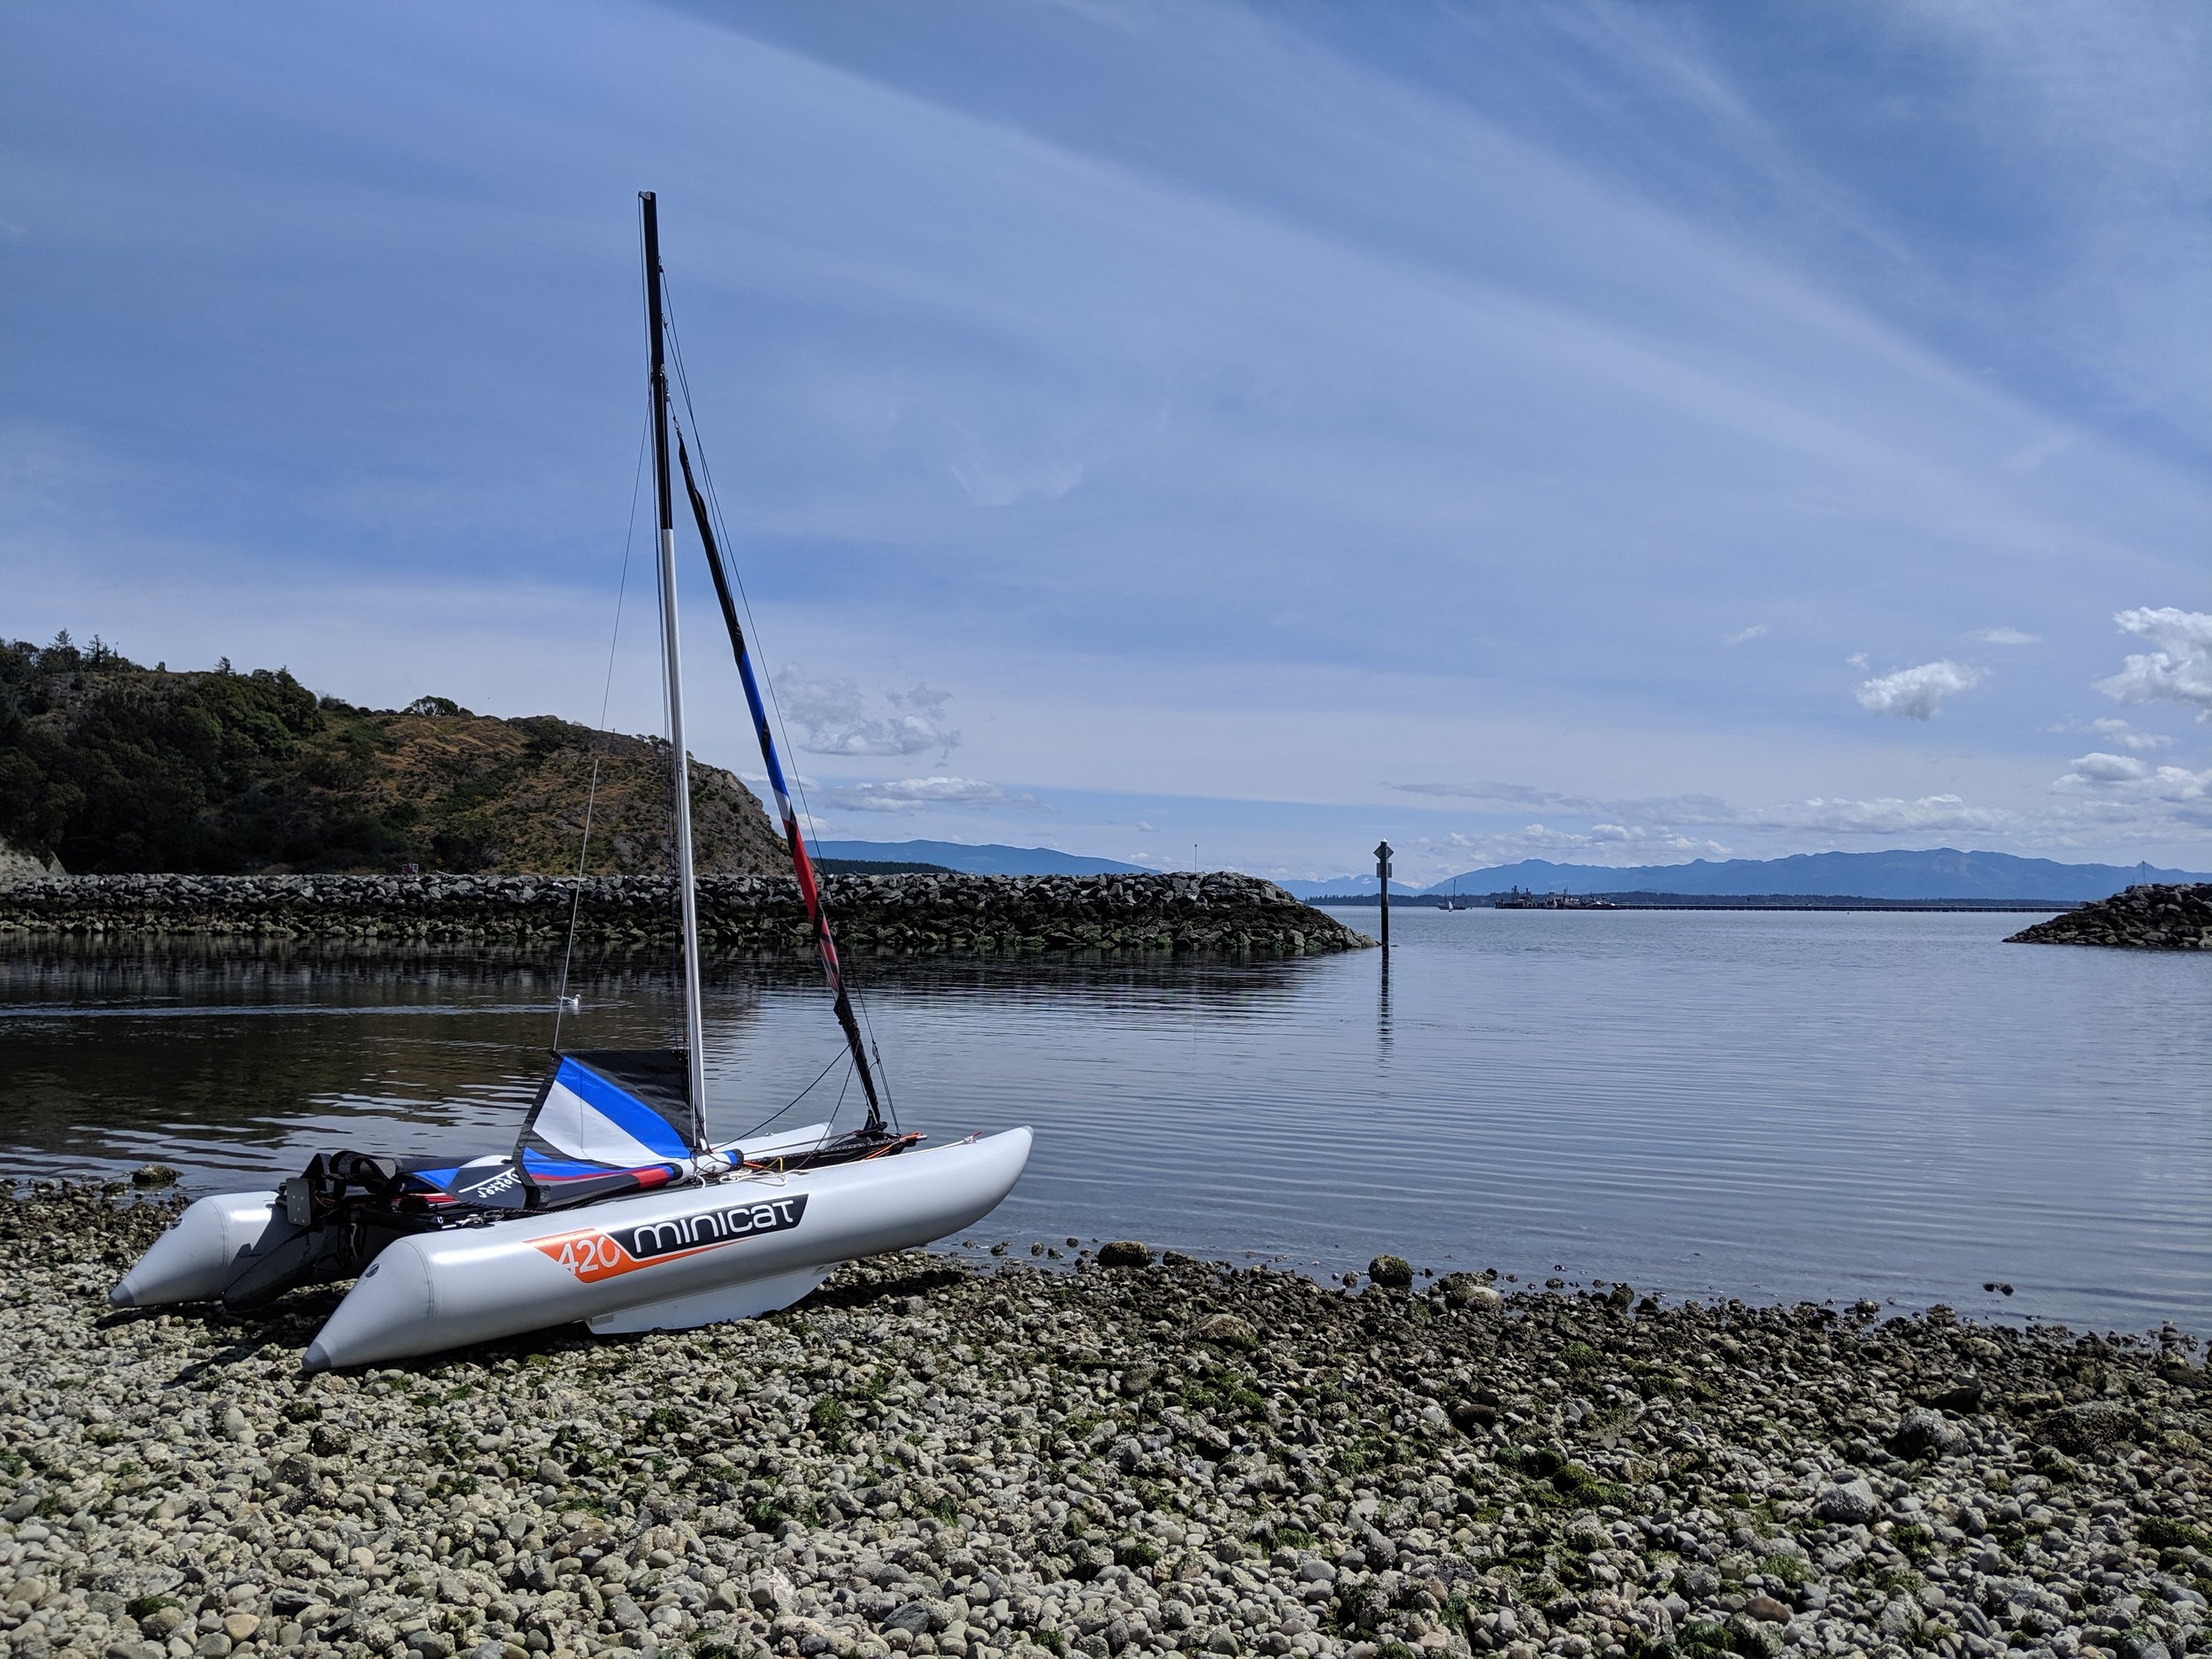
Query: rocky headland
[
  {"x": 1134, "y": 1458},
  {"x": 2148, "y": 918},
  {"x": 895, "y": 915}
]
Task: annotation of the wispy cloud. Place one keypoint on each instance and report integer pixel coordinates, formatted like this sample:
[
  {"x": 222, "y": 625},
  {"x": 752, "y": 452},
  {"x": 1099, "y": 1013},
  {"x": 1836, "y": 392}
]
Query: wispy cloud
[
  {"x": 2027, "y": 460},
  {"x": 1685, "y": 809},
  {"x": 1095, "y": 360},
  {"x": 1662, "y": 821},
  {"x": 1600, "y": 844},
  {"x": 2130, "y": 737},
  {"x": 915, "y": 795},
  {"x": 833, "y": 718},
  {"x": 1890, "y": 815},
  {"x": 2177, "y": 669},
  {"x": 1743, "y": 636},
  {"x": 1919, "y": 693},
  {"x": 2005, "y": 636}
]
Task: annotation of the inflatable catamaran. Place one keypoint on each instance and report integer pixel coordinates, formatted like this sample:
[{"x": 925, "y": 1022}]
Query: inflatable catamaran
[{"x": 612, "y": 1206}]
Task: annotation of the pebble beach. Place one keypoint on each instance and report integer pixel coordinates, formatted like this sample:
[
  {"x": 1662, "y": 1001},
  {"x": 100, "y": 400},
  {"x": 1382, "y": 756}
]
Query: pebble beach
[{"x": 1123, "y": 1452}]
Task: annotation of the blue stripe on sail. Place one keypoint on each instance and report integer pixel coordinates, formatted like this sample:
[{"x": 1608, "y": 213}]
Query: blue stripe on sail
[
  {"x": 624, "y": 1111},
  {"x": 537, "y": 1165}
]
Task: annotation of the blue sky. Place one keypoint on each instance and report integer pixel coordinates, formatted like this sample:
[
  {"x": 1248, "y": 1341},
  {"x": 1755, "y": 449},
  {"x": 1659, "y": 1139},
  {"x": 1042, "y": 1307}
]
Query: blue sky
[{"x": 1619, "y": 433}]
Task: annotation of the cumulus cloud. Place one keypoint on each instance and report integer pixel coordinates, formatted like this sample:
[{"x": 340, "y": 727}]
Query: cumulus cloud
[
  {"x": 912, "y": 795},
  {"x": 2005, "y": 636},
  {"x": 2131, "y": 737},
  {"x": 1745, "y": 636},
  {"x": 2177, "y": 668},
  {"x": 1918, "y": 694},
  {"x": 833, "y": 718},
  {"x": 2123, "y": 797},
  {"x": 2098, "y": 772},
  {"x": 2096, "y": 768}
]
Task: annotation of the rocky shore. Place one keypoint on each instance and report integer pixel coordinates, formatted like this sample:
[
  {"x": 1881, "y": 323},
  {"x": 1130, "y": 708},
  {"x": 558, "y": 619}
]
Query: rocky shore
[
  {"x": 2147, "y": 918},
  {"x": 1136, "y": 1457},
  {"x": 909, "y": 914}
]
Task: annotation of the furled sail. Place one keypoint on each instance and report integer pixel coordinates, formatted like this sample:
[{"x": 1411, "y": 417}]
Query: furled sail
[{"x": 605, "y": 1123}]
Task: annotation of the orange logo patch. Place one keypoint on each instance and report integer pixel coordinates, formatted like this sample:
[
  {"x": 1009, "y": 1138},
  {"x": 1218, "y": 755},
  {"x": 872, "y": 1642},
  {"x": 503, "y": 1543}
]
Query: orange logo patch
[{"x": 590, "y": 1255}]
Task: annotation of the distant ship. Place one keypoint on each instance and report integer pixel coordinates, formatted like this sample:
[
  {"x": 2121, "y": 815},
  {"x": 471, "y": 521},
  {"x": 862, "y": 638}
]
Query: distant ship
[{"x": 1520, "y": 899}]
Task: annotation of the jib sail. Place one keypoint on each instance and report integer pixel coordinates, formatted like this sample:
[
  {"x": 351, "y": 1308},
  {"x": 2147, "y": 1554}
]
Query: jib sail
[{"x": 606, "y": 1122}]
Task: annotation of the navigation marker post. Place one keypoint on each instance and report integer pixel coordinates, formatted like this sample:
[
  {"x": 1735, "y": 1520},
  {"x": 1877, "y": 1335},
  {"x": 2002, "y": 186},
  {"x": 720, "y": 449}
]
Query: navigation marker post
[{"x": 1382, "y": 875}]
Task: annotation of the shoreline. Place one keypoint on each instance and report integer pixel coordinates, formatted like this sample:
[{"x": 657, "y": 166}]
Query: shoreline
[
  {"x": 912, "y": 914},
  {"x": 1129, "y": 1460}
]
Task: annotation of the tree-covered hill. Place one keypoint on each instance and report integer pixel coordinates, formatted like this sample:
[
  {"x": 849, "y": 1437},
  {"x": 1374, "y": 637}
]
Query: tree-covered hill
[{"x": 112, "y": 767}]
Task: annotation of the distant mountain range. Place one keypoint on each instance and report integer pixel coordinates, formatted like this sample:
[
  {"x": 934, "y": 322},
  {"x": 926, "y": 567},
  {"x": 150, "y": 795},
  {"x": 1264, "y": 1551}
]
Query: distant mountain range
[
  {"x": 1941, "y": 873},
  {"x": 987, "y": 860}
]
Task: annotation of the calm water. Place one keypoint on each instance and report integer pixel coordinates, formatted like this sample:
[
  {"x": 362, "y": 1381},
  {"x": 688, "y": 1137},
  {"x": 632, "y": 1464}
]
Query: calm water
[{"x": 1769, "y": 1105}]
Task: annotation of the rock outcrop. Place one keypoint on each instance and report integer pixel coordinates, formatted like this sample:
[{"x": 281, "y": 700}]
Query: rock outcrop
[
  {"x": 16, "y": 866},
  {"x": 2150, "y": 917},
  {"x": 896, "y": 915}
]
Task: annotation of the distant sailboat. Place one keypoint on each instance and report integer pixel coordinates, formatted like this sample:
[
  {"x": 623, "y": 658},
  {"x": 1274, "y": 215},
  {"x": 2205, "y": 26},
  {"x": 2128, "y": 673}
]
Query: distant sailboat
[{"x": 612, "y": 1206}]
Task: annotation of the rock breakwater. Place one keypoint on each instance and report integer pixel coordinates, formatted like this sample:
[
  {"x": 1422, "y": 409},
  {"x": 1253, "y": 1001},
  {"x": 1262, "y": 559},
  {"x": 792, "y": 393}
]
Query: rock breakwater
[
  {"x": 2153, "y": 917},
  {"x": 1017, "y": 1464},
  {"x": 919, "y": 914}
]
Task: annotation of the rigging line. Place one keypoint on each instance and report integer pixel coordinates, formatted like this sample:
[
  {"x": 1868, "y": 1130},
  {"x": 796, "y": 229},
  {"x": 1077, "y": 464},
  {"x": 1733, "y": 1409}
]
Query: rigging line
[
  {"x": 854, "y": 993},
  {"x": 795, "y": 1099},
  {"x": 837, "y": 1110},
  {"x": 606, "y": 698}
]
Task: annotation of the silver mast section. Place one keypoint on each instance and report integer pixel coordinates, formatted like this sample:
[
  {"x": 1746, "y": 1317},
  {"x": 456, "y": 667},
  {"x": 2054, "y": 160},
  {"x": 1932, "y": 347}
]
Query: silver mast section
[{"x": 686, "y": 879}]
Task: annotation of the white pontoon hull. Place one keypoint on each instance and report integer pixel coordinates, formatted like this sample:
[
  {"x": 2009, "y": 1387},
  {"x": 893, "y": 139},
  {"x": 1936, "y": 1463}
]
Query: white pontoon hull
[{"x": 726, "y": 1249}]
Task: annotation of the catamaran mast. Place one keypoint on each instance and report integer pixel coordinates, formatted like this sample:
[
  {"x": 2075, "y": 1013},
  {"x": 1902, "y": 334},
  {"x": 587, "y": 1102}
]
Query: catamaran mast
[{"x": 687, "y": 880}]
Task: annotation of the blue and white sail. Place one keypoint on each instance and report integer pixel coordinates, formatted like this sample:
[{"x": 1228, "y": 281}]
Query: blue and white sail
[{"x": 605, "y": 1122}]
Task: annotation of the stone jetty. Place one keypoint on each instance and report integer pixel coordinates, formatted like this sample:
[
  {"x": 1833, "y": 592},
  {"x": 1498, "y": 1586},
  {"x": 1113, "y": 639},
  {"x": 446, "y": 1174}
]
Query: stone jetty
[
  {"x": 2153, "y": 917},
  {"x": 1017, "y": 1459},
  {"x": 906, "y": 914}
]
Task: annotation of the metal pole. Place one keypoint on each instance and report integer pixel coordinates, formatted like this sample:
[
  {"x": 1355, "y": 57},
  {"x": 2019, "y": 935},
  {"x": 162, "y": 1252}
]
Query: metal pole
[
  {"x": 687, "y": 880},
  {"x": 1382, "y": 875}
]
